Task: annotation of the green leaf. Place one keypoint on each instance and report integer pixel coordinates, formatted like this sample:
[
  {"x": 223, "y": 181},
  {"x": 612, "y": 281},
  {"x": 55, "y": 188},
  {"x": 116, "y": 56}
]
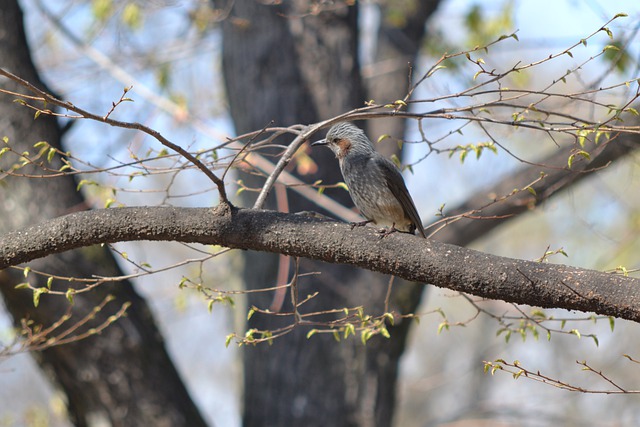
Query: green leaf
[
  {"x": 349, "y": 329},
  {"x": 385, "y": 333},
  {"x": 269, "y": 336},
  {"x": 539, "y": 314},
  {"x": 612, "y": 322},
  {"x": 23, "y": 285},
  {"x": 443, "y": 325},
  {"x": 439, "y": 67},
  {"x": 463, "y": 155},
  {"x": 50, "y": 154},
  {"x": 342, "y": 185},
  {"x": 49, "y": 282},
  {"x": 84, "y": 182},
  {"x": 36, "y": 295},
  {"x": 102, "y": 9},
  {"x": 69, "y": 294},
  {"x": 535, "y": 333},
  {"x": 390, "y": 318},
  {"x": 396, "y": 160},
  {"x": 311, "y": 333},
  {"x": 584, "y": 154},
  {"x": 582, "y": 134},
  {"x": 26, "y": 271},
  {"x": 228, "y": 339},
  {"x": 383, "y": 137},
  {"x": 597, "y": 138},
  {"x": 365, "y": 335},
  {"x": 581, "y": 153}
]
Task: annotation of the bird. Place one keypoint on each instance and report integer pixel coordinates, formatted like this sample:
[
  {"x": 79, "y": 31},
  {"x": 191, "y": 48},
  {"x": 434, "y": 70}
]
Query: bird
[{"x": 375, "y": 183}]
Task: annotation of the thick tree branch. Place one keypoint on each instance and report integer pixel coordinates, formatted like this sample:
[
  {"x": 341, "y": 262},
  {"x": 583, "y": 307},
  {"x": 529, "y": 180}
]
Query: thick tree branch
[{"x": 426, "y": 261}]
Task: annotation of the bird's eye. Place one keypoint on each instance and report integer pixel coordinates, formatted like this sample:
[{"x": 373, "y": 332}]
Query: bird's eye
[{"x": 334, "y": 140}]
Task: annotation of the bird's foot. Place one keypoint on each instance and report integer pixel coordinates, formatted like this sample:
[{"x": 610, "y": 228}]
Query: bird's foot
[
  {"x": 360, "y": 224},
  {"x": 384, "y": 232}
]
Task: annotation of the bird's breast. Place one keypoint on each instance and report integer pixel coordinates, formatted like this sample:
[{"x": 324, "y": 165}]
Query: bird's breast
[{"x": 371, "y": 194}]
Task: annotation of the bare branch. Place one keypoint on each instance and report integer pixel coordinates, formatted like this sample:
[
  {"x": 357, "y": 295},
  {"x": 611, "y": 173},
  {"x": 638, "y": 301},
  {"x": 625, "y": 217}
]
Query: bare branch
[
  {"x": 50, "y": 99},
  {"x": 517, "y": 370}
]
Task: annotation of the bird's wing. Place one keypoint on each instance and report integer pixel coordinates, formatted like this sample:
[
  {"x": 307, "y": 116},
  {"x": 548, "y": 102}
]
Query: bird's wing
[{"x": 396, "y": 184}]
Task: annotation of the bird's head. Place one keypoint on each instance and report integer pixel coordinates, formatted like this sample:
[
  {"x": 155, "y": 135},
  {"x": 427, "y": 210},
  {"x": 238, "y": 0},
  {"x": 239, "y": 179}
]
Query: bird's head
[{"x": 344, "y": 138}]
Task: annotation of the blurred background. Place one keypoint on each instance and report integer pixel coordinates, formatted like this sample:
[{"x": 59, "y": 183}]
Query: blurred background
[{"x": 172, "y": 53}]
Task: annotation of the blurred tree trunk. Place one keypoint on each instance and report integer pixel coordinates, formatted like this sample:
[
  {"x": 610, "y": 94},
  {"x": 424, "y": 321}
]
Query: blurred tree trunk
[
  {"x": 124, "y": 375},
  {"x": 400, "y": 35},
  {"x": 284, "y": 65}
]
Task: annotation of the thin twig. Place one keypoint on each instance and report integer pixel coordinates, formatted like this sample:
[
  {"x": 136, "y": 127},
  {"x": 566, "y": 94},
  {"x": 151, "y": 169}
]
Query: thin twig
[{"x": 50, "y": 99}]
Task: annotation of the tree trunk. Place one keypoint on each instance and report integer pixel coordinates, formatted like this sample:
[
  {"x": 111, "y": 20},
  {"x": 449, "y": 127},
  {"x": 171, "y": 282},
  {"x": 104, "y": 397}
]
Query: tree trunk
[
  {"x": 283, "y": 65},
  {"x": 122, "y": 376}
]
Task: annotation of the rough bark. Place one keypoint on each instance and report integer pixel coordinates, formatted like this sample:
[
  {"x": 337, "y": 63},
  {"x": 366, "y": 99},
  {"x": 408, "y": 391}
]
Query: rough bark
[
  {"x": 403, "y": 255},
  {"x": 123, "y": 376}
]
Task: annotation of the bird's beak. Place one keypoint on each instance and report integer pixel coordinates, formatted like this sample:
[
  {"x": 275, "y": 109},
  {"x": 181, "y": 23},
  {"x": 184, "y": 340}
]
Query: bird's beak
[{"x": 321, "y": 142}]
